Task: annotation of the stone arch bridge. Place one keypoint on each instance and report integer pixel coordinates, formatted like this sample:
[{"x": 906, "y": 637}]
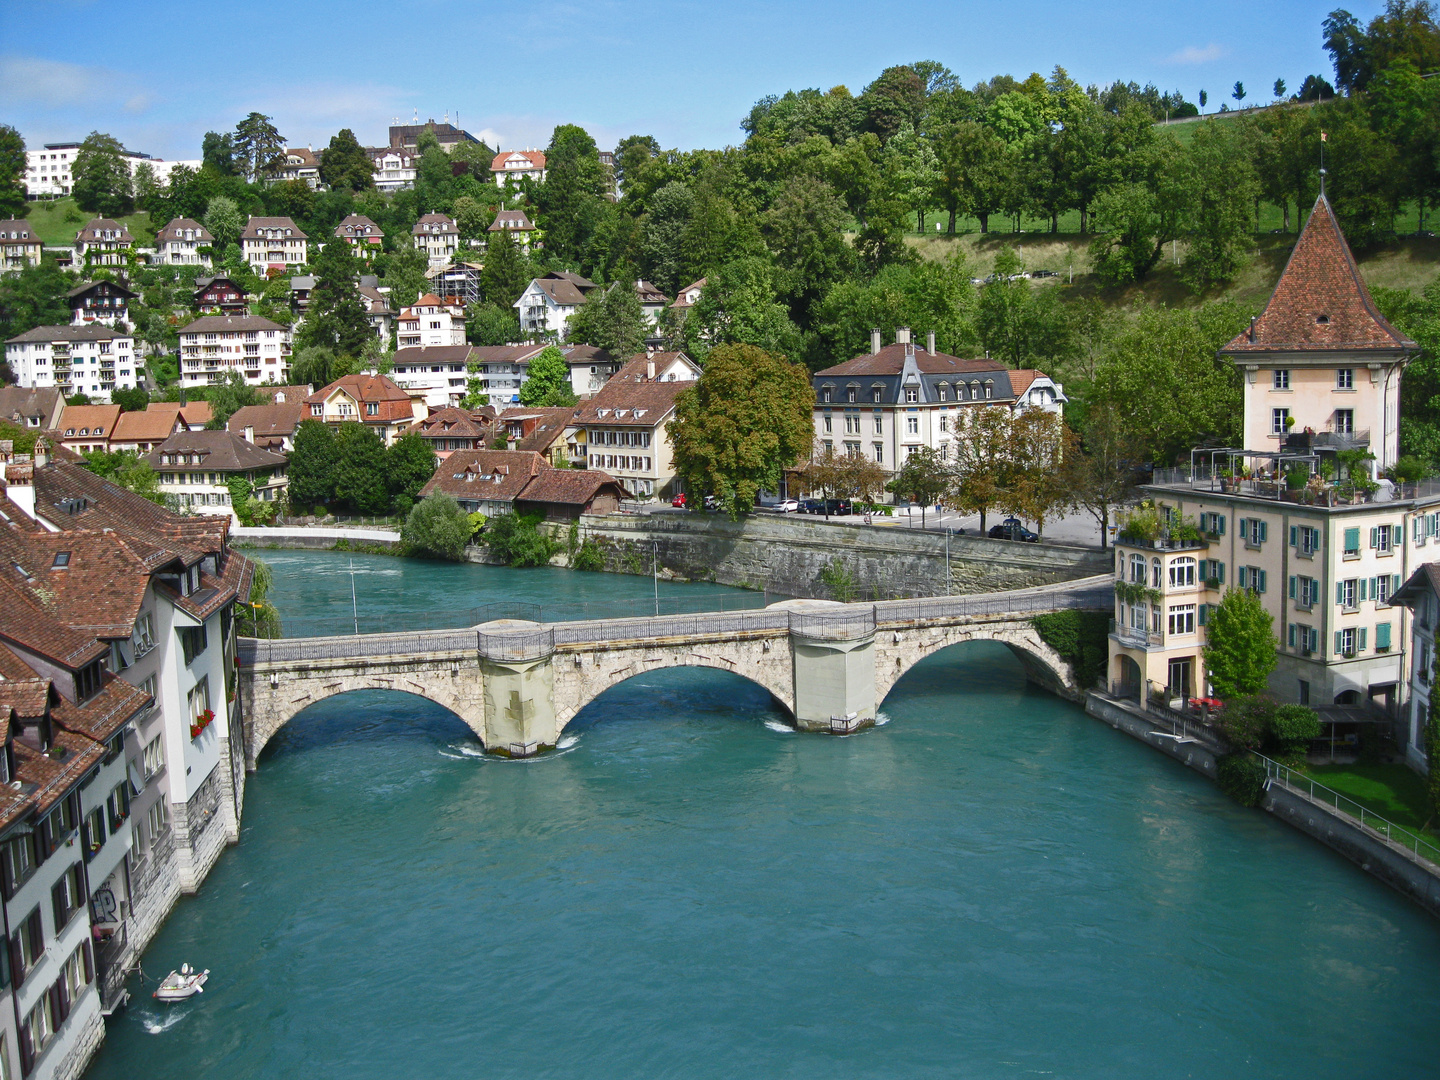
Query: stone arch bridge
[{"x": 518, "y": 683}]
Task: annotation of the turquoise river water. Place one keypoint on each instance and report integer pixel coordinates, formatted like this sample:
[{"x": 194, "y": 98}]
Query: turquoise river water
[{"x": 990, "y": 884}]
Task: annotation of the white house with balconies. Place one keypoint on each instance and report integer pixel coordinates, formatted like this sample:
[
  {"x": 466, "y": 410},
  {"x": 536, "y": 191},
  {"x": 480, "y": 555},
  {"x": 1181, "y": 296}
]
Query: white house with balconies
[{"x": 214, "y": 345}]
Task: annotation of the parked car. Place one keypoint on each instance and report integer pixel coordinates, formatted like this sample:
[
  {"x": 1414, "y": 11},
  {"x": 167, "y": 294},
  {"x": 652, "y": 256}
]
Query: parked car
[
  {"x": 712, "y": 502},
  {"x": 812, "y": 506},
  {"x": 678, "y": 500},
  {"x": 787, "y": 506},
  {"x": 839, "y": 507},
  {"x": 1011, "y": 529},
  {"x": 1044, "y": 273}
]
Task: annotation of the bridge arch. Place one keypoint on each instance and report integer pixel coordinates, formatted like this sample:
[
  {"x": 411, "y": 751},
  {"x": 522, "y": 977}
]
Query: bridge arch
[{"x": 900, "y": 650}]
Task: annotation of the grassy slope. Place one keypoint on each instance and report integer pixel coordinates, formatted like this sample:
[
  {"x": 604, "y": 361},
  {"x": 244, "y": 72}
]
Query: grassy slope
[{"x": 48, "y": 219}]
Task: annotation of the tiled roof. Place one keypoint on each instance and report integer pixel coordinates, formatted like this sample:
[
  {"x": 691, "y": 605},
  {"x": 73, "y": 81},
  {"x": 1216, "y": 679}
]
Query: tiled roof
[
  {"x": 890, "y": 360},
  {"x": 1320, "y": 302},
  {"x": 157, "y": 422},
  {"x": 223, "y": 451},
  {"x": 548, "y": 425},
  {"x": 196, "y": 412},
  {"x": 25, "y": 623},
  {"x": 289, "y": 393},
  {"x": 110, "y": 287},
  {"x": 446, "y": 224},
  {"x": 455, "y": 423},
  {"x": 631, "y": 399},
  {"x": 490, "y": 475},
  {"x": 505, "y": 354},
  {"x": 513, "y": 220},
  {"x": 1426, "y": 576},
  {"x": 88, "y": 332},
  {"x": 559, "y": 291},
  {"x": 53, "y": 777},
  {"x": 517, "y": 161},
  {"x": 104, "y": 714},
  {"x": 376, "y": 302},
  {"x": 255, "y": 224},
  {"x": 394, "y": 403},
  {"x": 98, "y": 589},
  {"x": 216, "y": 324},
  {"x": 649, "y": 294},
  {"x": 358, "y": 225},
  {"x": 18, "y": 402},
  {"x": 98, "y": 419},
  {"x": 270, "y": 422},
  {"x": 177, "y": 226},
  {"x": 17, "y": 232},
  {"x": 95, "y": 226},
  {"x": 571, "y": 487},
  {"x": 1021, "y": 379}
]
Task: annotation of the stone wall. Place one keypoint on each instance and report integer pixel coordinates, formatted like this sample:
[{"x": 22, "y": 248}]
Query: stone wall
[{"x": 786, "y": 554}]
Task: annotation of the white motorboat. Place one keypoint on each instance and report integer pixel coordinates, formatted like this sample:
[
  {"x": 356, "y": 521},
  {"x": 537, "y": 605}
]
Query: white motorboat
[{"x": 179, "y": 985}]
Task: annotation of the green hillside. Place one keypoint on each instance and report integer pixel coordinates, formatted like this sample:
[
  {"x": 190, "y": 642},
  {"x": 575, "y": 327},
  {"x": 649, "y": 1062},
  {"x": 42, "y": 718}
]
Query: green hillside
[{"x": 56, "y": 223}]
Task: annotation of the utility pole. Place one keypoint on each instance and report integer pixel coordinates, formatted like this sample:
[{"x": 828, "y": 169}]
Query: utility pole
[
  {"x": 655, "y": 572},
  {"x": 354, "y": 609},
  {"x": 947, "y": 560}
]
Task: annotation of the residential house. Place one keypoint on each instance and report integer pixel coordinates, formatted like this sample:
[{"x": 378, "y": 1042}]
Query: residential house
[
  {"x": 510, "y": 166},
  {"x": 270, "y": 427},
  {"x": 92, "y": 360},
  {"x": 1033, "y": 389},
  {"x": 689, "y": 296},
  {"x": 273, "y": 244},
  {"x": 540, "y": 430},
  {"x": 590, "y": 368},
  {"x": 438, "y": 235},
  {"x": 142, "y": 431},
  {"x": 1421, "y": 596},
  {"x": 435, "y": 373},
  {"x": 301, "y": 286},
  {"x": 458, "y": 283},
  {"x": 105, "y": 302},
  {"x": 372, "y": 400},
  {"x": 84, "y": 428},
  {"x": 407, "y": 136},
  {"x": 394, "y": 169},
  {"x": 378, "y": 311},
  {"x": 281, "y": 395},
  {"x": 36, "y": 408},
  {"x": 220, "y": 296},
  {"x": 19, "y": 246},
  {"x": 301, "y": 163},
  {"x": 621, "y": 430},
  {"x": 652, "y": 301},
  {"x": 103, "y": 242},
  {"x": 562, "y": 495},
  {"x": 521, "y": 229},
  {"x": 548, "y": 302},
  {"x": 1325, "y": 559},
  {"x": 195, "y": 414},
  {"x": 430, "y": 321},
  {"x": 179, "y": 243},
  {"x": 197, "y": 466},
  {"x": 503, "y": 369},
  {"x": 363, "y": 235},
  {"x": 451, "y": 428},
  {"x": 896, "y": 399},
  {"x": 214, "y": 345},
  {"x": 485, "y": 481}
]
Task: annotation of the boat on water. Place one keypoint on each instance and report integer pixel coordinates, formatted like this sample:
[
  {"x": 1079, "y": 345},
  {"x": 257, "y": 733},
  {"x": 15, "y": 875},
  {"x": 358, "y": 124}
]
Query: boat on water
[{"x": 182, "y": 984}]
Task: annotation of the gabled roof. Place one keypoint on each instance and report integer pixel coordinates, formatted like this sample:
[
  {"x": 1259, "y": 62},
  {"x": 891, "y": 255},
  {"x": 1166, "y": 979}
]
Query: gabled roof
[
  {"x": 631, "y": 398},
  {"x": 13, "y": 231},
  {"x": 270, "y": 423},
  {"x": 376, "y": 302},
  {"x": 103, "y": 286},
  {"x": 432, "y": 354},
  {"x": 559, "y": 290},
  {"x": 393, "y": 402},
  {"x": 88, "y": 332},
  {"x": 649, "y": 294},
  {"x": 541, "y": 427},
  {"x": 204, "y": 283},
  {"x": 890, "y": 360},
  {"x": 219, "y": 324},
  {"x": 683, "y": 300},
  {"x": 490, "y": 475},
  {"x": 1320, "y": 303},
  {"x": 1425, "y": 578},
  {"x": 514, "y": 220},
  {"x": 223, "y": 451},
  {"x": 358, "y": 225},
  {"x": 19, "y": 402},
  {"x": 255, "y": 224},
  {"x": 97, "y": 419},
  {"x": 517, "y": 161},
  {"x": 158, "y": 422},
  {"x": 91, "y": 230},
  {"x": 432, "y": 224},
  {"x": 571, "y": 487},
  {"x": 177, "y": 226},
  {"x": 195, "y": 412},
  {"x": 289, "y": 393},
  {"x": 452, "y": 422}
]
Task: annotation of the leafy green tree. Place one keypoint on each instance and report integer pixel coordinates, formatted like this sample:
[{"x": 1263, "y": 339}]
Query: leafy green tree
[
  {"x": 488, "y": 323},
  {"x": 146, "y": 185},
  {"x": 258, "y": 147},
  {"x": 1099, "y": 467},
  {"x": 1406, "y": 30},
  {"x": 1133, "y": 223},
  {"x": 360, "y": 481},
  {"x": 738, "y": 307},
  {"x": 1217, "y": 220},
  {"x": 982, "y": 462},
  {"x": 313, "y": 462},
  {"x": 1419, "y": 317},
  {"x": 547, "y": 382},
  {"x": 228, "y": 396},
  {"x": 1279, "y": 89},
  {"x": 258, "y": 617},
  {"x": 12, "y": 173},
  {"x": 975, "y": 170},
  {"x": 892, "y": 101},
  {"x": 133, "y": 399},
  {"x": 313, "y": 365},
  {"x": 569, "y": 199},
  {"x": 436, "y": 526},
  {"x": 1239, "y": 644},
  {"x": 475, "y": 395},
  {"x": 472, "y": 217},
  {"x": 225, "y": 222},
  {"x": 100, "y": 177},
  {"x": 670, "y": 210},
  {"x": 34, "y": 297},
  {"x": 746, "y": 420},
  {"x": 613, "y": 321},
  {"x": 404, "y": 272},
  {"x": 518, "y": 540},
  {"x": 217, "y": 152},
  {"x": 129, "y": 470},
  {"x": 507, "y": 271},
  {"x": 336, "y": 318},
  {"x": 409, "y": 465},
  {"x": 1238, "y": 92},
  {"x": 805, "y": 230},
  {"x": 344, "y": 163},
  {"x": 923, "y": 478}
]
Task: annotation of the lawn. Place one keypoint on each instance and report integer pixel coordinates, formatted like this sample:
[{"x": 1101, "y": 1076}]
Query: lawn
[
  {"x": 57, "y": 222},
  {"x": 1394, "y": 792}
]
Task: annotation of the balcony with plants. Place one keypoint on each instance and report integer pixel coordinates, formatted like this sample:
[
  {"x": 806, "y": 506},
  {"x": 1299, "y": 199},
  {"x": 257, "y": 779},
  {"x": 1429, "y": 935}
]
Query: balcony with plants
[{"x": 1157, "y": 528}]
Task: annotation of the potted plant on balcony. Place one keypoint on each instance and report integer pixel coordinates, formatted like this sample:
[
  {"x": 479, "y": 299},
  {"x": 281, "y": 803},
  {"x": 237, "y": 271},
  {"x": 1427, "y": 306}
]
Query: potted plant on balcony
[{"x": 201, "y": 722}]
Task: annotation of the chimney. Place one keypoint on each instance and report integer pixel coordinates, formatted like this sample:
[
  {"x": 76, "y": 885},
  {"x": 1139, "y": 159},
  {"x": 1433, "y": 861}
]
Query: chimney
[
  {"x": 650, "y": 368},
  {"x": 250, "y": 433},
  {"x": 1252, "y": 327},
  {"x": 42, "y": 452},
  {"x": 930, "y": 343},
  {"x": 875, "y": 341},
  {"x": 902, "y": 335}
]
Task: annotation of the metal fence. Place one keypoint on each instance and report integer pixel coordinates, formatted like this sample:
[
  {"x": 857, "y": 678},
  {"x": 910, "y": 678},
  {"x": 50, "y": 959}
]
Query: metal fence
[
  {"x": 1395, "y": 836},
  {"x": 849, "y": 623},
  {"x": 516, "y": 645}
]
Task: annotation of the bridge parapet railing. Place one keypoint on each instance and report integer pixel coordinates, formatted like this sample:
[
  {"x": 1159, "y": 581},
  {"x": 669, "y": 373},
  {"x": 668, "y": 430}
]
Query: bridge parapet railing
[
  {"x": 252, "y": 651},
  {"x": 517, "y": 645},
  {"x": 850, "y": 623},
  {"x": 711, "y": 624},
  {"x": 1016, "y": 603}
]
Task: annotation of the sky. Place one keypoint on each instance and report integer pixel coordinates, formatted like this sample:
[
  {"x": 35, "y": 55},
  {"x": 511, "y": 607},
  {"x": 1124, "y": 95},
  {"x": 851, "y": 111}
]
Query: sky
[{"x": 158, "y": 74}]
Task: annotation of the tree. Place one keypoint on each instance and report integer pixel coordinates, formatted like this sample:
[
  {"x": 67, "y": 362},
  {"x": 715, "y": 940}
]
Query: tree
[
  {"x": 344, "y": 164},
  {"x": 1217, "y": 220},
  {"x": 747, "y": 419},
  {"x": 923, "y": 478},
  {"x": 507, "y": 271},
  {"x": 569, "y": 200},
  {"x": 974, "y": 172},
  {"x": 1404, "y": 31},
  {"x": 132, "y": 399},
  {"x": 488, "y": 323},
  {"x": 224, "y": 220},
  {"x": 228, "y": 396},
  {"x": 475, "y": 394},
  {"x": 259, "y": 147},
  {"x": 12, "y": 173},
  {"x": 409, "y": 465},
  {"x": 517, "y": 540},
  {"x": 738, "y": 306},
  {"x": 1204, "y": 99},
  {"x": 981, "y": 461},
  {"x": 1238, "y": 92},
  {"x": 613, "y": 320},
  {"x": 436, "y": 526},
  {"x": 805, "y": 230},
  {"x": 313, "y": 365},
  {"x": 1035, "y": 487},
  {"x": 336, "y": 318},
  {"x": 404, "y": 272},
  {"x": 472, "y": 218},
  {"x": 360, "y": 481},
  {"x": 146, "y": 186},
  {"x": 129, "y": 470},
  {"x": 1279, "y": 89},
  {"x": 217, "y": 153},
  {"x": 312, "y": 464},
  {"x": 1099, "y": 468},
  {"x": 100, "y": 177},
  {"x": 547, "y": 382},
  {"x": 34, "y": 297},
  {"x": 1239, "y": 644},
  {"x": 665, "y": 224},
  {"x": 258, "y": 618}
]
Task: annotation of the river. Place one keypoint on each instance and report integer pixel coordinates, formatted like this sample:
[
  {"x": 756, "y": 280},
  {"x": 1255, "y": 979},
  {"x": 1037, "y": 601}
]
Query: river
[{"x": 990, "y": 884}]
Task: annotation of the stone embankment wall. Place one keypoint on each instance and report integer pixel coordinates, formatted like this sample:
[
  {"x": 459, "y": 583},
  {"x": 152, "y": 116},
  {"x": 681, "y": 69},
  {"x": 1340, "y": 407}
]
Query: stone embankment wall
[{"x": 786, "y": 554}]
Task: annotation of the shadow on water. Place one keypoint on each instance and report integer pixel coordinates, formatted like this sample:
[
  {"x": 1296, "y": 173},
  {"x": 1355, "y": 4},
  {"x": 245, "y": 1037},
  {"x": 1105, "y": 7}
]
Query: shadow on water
[
  {"x": 681, "y": 697},
  {"x": 368, "y": 717}
]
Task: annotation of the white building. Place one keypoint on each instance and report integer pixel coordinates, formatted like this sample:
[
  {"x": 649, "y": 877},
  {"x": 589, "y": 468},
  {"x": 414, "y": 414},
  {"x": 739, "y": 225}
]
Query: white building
[
  {"x": 394, "y": 169},
  {"x": 19, "y": 246},
  {"x": 273, "y": 243},
  {"x": 301, "y": 164},
  {"x": 430, "y": 321},
  {"x": 93, "y": 359},
  {"x": 197, "y": 467},
  {"x": 103, "y": 242},
  {"x": 438, "y": 236},
  {"x": 214, "y": 345},
  {"x": 652, "y": 302},
  {"x": 47, "y": 169},
  {"x": 547, "y": 303},
  {"x": 510, "y": 165},
  {"x": 179, "y": 243}
]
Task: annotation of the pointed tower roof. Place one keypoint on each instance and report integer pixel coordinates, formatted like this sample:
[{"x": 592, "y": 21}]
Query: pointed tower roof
[{"x": 1320, "y": 303}]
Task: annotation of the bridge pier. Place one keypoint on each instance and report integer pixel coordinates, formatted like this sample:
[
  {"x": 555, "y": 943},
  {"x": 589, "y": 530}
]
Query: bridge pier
[
  {"x": 518, "y": 676},
  {"x": 833, "y": 649}
]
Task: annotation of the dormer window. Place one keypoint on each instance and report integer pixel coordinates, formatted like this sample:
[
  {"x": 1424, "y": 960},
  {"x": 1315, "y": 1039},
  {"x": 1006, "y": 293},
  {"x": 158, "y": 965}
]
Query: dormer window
[{"x": 1322, "y": 320}]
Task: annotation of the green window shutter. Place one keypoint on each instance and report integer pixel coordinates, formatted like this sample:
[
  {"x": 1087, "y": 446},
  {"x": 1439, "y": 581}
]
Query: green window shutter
[
  {"x": 1360, "y": 647},
  {"x": 1339, "y": 592},
  {"x": 1292, "y": 635},
  {"x": 1338, "y": 643},
  {"x": 1221, "y": 575},
  {"x": 1374, "y": 536},
  {"x": 1292, "y": 597},
  {"x": 1264, "y": 530},
  {"x": 1262, "y": 581},
  {"x": 1394, "y": 583},
  {"x": 1294, "y": 535},
  {"x": 1363, "y": 582},
  {"x": 1398, "y": 537},
  {"x": 1382, "y": 636},
  {"x": 1220, "y": 519},
  {"x": 1240, "y": 528},
  {"x": 1352, "y": 539},
  {"x": 1200, "y": 612},
  {"x": 1240, "y": 576}
]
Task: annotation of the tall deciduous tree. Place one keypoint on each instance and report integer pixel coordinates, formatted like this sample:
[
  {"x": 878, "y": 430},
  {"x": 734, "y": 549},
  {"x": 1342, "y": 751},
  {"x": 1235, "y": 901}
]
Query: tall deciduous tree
[
  {"x": 975, "y": 171},
  {"x": 12, "y": 173},
  {"x": 738, "y": 306},
  {"x": 805, "y": 229},
  {"x": 1099, "y": 469},
  {"x": 224, "y": 220},
  {"x": 569, "y": 200},
  {"x": 359, "y": 470},
  {"x": 436, "y": 526},
  {"x": 547, "y": 382},
  {"x": 1217, "y": 221},
  {"x": 409, "y": 464},
  {"x": 344, "y": 163},
  {"x": 507, "y": 271},
  {"x": 612, "y": 320},
  {"x": 100, "y": 177},
  {"x": 982, "y": 460},
  {"x": 312, "y": 464},
  {"x": 923, "y": 478},
  {"x": 490, "y": 324},
  {"x": 747, "y": 419},
  {"x": 1240, "y": 647},
  {"x": 227, "y": 397},
  {"x": 217, "y": 153}
]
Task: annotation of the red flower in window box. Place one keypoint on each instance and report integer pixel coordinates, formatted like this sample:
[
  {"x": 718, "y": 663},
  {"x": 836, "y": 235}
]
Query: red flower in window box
[{"x": 201, "y": 722}]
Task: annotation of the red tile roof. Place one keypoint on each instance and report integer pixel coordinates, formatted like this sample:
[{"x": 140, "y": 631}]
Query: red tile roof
[
  {"x": 571, "y": 487},
  {"x": 156, "y": 424},
  {"x": 394, "y": 403},
  {"x": 1320, "y": 302},
  {"x": 489, "y": 475}
]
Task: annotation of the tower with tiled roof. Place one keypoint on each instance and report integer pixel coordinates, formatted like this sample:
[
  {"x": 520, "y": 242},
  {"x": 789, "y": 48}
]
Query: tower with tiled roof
[{"x": 1321, "y": 365}]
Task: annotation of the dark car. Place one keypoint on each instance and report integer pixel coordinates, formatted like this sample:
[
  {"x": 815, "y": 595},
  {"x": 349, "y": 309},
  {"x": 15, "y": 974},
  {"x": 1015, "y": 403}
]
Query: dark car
[
  {"x": 1011, "y": 529},
  {"x": 1044, "y": 273},
  {"x": 839, "y": 507},
  {"x": 812, "y": 506}
]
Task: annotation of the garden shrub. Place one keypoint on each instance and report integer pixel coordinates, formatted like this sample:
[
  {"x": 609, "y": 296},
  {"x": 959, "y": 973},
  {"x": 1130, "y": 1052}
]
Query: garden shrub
[
  {"x": 1080, "y": 637},
  {"x": 1242, "y": 777},
  {"x": 518, "y": 540}
]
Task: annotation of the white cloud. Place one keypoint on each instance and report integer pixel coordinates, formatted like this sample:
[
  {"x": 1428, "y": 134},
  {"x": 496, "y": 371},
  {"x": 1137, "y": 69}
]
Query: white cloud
[
  {"x": 1194, "y": 54},
  {"x": 53, "y": 83}
]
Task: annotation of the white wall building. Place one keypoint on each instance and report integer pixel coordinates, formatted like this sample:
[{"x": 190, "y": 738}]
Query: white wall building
[
  {"x": 510, "y": 165},
  {"x": 273, "y": 242},
  {"x": 438, "y": 236},
  {"x": 547, "y": 303},
  {"x": 430, "y": 321},
  {"x": 93, "y": 359},
  {"x": 47, "y": 168},
  {"x": 214, "y": 345},
  {"x": 179, "y": 243}
]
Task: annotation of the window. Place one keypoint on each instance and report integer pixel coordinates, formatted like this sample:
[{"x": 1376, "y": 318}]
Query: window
[
  {"x": 1182, "y": 573},
  {"x": 852, "y": 393},
  {"x": 1305, "y": 591},
  {"x": 1137, "y": 569},
  {"x": 17, "y": 859},
  {"x": 143, "y": 637},
  {"x": 92, "y": 831},
  {"x": 1253, "y": 531},
  {"x": 879, "y": 424},
  {"x": 912, "y": 425},
  {"x": 1305, "y": 540},
  {"x": 1279, "y": 421},
  {"x": 1345, "y": 421},
  {"x": 1282, "y": 379},
  {"x": 1304, "y": 638},
  {"x": 1214, "y": 524},
  {"x": 1182, "y": 619},
  {"x": 1212, "y": 570},
  {"x": 879, "y": 453},
  {"x": 1385, "y": 538},
  {"x": 912, "y": 395},
  {"x": 39, "y": 1026},
  {"x": 117, "y": 804},
  {"x": 1382, "y": 637},
  {"x": 1352, "y": 544},
  {"x": 1383, "y": 587},
  {"x": 829, "y": 424},
  {"x": 1345, "y": 379},
  {"x": 67, "y": 897},
  {"x": 1347, "y": 593},
  {"x": 1250, "y": 577},
  {"x": 1155, "y": 573},
  {"x": 1346, "y": 642},
  {"x": 154, "y": 756},
  {"x": 157, "y": 819},
  {"x": 27, "y": 945},
  {"x": 192, "y": 641}
]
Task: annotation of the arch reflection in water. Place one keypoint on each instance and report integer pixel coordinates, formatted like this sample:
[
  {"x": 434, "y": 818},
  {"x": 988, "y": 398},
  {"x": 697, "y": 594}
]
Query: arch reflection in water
[{"x": 368, "y": 717}]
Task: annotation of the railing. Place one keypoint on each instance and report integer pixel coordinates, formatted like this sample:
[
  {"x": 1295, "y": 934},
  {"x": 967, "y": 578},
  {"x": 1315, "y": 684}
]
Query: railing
[
  {"x": 517, "y": 645},
  {"x": 1140, "y": 639},
  {"x": 844, "y": 624},
  {"x": 1395, "y": 836},
  {"x": 108, "y": 959}
]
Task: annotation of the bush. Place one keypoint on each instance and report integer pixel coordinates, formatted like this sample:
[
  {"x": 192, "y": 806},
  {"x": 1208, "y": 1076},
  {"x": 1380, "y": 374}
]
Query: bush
[
  {"x": 839, "y": 580},
  {"x": 1241, "y": 777},
  {"x": 588, "y": 556},
  {"x": 437, "y": 527},
  {"x": 1081, "y": 638},
  {"x": 1261, "y": 723},
  {"x": 517, "y": 540}
]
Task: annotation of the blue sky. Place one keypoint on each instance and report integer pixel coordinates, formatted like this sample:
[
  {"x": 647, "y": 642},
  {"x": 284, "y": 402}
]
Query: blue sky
[{"x": 159, "y": 73}]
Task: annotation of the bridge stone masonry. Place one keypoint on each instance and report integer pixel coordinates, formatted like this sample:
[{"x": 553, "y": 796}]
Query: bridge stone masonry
[{"x": 517, "y": 683}]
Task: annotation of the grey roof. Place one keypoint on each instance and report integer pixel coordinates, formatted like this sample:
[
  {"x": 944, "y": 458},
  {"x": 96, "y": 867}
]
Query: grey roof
[
  {"x": 14, "y": 231},
  {"x": 1425, "y": 577},
  {"x": 86, "y": 286},
  {"x": 223, "y": 451},
  {"x": 172, "y": 230},
  {"x": 213, "y": 324},
  {"x": 88, "y": 332},
  {"x": 255, "y": 224},
  {"x": 23, "y": 401}
]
